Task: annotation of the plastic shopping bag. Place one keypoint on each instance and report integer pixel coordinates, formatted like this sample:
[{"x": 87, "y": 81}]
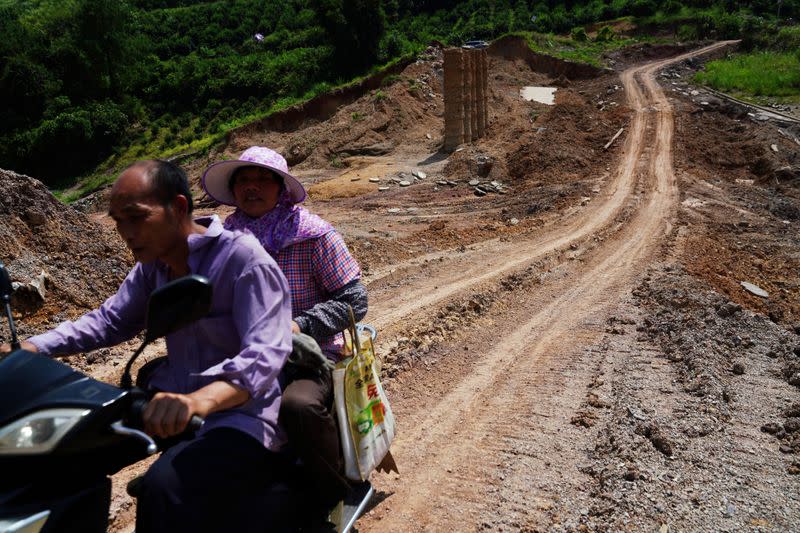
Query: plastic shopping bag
[{"x": 366, "y": 423}]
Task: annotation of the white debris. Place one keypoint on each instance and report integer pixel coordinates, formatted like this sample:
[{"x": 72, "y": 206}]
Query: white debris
[
  {"x": 543, "y": 95},
  {"x": 37, "y": 285},
  {"x": 754, "y": 289}
]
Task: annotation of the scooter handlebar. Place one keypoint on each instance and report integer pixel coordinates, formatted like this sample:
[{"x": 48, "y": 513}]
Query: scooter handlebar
[
  {"x": 140, "y": 404},
  {"x": 195, "y": 423}
]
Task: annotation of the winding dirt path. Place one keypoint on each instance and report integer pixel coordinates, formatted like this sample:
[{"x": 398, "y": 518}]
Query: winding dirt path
[
  {"x": 490, "y": 259},
  {"x": 471, "y": 447}
]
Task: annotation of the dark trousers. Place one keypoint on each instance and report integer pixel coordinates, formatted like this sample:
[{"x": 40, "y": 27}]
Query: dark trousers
[
  {"x": 313, "y": 435},
  {"x": 220, "y": 481}
]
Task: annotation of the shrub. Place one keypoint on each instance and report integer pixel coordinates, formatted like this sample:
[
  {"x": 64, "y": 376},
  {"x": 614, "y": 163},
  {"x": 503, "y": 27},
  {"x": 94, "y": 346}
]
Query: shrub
[
  {"x": 671, "y": 7},
  {"x": 605, "y": 35},
  {"x": 415, "y": 88},
  {"x": 705, "y": 26},
  {"x": 394, "y": 44},
  {"x": 686, "y": 33},
  {"x": 727, "y": 26},
  {"x": 579, "y": 34},
  {"x": 643, "y": 8},
  {"x": 391, "y": 79},
  {"x": 74, "y": 141},
  {"x": 788, "y": 39}
]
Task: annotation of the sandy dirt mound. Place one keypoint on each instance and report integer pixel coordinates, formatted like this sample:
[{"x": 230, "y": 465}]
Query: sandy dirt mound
[
  {"x": 739, "y": 218},
  {"x": 696, "y": 428},
  {"x": 84, "y": 262}
]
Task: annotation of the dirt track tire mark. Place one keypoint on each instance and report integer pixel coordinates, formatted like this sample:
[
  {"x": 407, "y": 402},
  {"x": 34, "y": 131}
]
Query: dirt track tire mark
[
  {"x": 493, "y": 259},
  {"x": 445, "y": 478}
]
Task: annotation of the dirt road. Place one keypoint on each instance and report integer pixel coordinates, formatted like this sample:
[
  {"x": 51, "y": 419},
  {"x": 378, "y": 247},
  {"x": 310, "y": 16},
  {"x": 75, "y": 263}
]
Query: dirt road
[
  {"x": 577, "y": 354},
  {"x": 486, "y": 408}
]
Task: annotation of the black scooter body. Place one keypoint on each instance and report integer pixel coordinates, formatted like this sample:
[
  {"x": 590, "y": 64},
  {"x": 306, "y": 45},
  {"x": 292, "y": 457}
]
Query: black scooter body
[
  {"x": 67, "y": 489},
  {"x": 71, "y": 481}
]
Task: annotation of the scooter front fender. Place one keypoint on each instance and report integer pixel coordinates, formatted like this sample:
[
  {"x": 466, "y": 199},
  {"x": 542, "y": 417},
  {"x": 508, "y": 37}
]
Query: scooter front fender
[
  {"x": 38, "y": 510},
  {"x": 24, "y": 524}
]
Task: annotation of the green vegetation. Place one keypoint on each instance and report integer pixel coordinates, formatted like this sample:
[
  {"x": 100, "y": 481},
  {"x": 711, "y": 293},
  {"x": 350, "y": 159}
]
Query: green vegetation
[
  {"x": 772, "y": 71},
  {"x": 588, "y": 50},
  {"x": 97, "y": 84},
  {"x": 95, "y": 80},
  {"x": 391, "y": 79},
  {"x": 756, "y": 74}
]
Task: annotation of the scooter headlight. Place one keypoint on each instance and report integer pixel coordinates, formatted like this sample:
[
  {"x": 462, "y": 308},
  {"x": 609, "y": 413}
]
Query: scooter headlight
[{"x": 38, "y": 432}]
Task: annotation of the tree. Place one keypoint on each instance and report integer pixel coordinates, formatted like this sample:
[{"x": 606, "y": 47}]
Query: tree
[
  {"x": 355, "y": 28},
  {"x": 103, "y": 34}
]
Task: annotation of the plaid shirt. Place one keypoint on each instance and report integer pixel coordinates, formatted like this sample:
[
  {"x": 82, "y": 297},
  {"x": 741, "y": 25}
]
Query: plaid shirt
[{"x": 315, "y": 268}]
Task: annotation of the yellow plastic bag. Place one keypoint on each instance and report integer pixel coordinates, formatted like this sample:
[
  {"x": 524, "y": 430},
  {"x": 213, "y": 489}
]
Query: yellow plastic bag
[{"x": 366, "y": 423}]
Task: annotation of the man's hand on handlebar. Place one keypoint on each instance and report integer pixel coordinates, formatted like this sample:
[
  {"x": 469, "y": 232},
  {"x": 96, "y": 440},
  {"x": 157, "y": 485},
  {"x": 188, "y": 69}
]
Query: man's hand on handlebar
[
  {"x": 168, "y": 414},
  {"x": 25, "y": 345}
]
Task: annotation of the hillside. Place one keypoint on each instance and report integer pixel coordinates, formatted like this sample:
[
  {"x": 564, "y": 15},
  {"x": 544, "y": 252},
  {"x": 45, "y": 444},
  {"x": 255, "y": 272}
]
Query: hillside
[{"x": 92, "y": 85}]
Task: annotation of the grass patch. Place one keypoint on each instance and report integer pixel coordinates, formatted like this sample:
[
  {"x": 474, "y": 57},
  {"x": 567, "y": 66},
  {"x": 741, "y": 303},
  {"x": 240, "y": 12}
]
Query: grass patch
[
  {"x": 582, "y": 49},
  {"x": 391, "y": 79},
  {"x": 755, "y": 74}
]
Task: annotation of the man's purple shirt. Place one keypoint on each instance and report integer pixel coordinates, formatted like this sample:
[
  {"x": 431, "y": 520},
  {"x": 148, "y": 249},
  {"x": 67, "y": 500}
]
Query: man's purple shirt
[{"x": 244, "y": 340}]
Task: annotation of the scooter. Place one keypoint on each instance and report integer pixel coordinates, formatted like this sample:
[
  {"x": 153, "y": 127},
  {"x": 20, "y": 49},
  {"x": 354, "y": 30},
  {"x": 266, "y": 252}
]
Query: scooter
[{"x": 63, "y": 434}]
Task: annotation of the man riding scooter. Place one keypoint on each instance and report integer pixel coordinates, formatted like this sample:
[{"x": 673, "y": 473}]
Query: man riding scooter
[{"x": 223, "y": 368}]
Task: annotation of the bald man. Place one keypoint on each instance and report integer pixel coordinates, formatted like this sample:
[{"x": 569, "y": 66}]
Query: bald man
[{"x": 224, "y": 367}]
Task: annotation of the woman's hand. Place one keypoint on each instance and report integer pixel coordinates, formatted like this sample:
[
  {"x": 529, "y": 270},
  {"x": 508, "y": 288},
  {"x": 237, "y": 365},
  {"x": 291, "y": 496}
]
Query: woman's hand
[{"x": 295, "y": 327}]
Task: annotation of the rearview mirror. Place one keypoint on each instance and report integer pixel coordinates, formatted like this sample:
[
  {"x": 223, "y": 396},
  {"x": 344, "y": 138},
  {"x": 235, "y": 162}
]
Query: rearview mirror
[
  {"x": 176, "y": 305},
  {"x": 6, "y": 289},
  {"x": 171, "y": 307},
  {"x": 5, "y": 284}
]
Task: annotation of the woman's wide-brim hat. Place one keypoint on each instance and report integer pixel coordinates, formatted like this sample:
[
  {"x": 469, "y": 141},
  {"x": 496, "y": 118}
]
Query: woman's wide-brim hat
[{"x": 217, "y": 177}]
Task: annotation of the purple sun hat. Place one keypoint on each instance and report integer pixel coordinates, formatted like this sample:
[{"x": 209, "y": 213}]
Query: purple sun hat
[{"x": 217, "y": 176}]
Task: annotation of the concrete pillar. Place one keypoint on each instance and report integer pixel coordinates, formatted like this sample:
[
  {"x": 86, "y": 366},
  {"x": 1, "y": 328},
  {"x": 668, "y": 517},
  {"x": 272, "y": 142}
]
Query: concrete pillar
[
  {"x": 476, "y": 81},
  {"x": 453, "y": 98},
  {"x": 467, "y": 92},
  {"x": 485, "y": 77},
  {"x": 480, "y": 123},
  {"x": 481, "y": 99}
]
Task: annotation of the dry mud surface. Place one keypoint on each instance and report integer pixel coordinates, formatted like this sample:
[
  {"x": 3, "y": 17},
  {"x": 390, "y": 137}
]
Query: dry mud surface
[{"x": 573, "y": 350}]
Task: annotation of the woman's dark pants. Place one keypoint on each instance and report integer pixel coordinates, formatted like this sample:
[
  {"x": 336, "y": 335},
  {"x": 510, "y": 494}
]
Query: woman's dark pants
[{"x": 313, "y": 434}]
